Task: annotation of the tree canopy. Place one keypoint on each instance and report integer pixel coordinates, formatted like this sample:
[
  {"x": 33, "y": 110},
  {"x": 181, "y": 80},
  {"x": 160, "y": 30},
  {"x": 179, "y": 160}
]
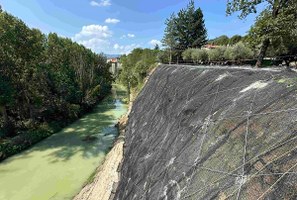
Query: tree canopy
[
  {"x": 136, "y": 66},
  {"x": 278, "y": 20},
  {"x": 222, "y": 40},
  {"x": 186, "y": 29},
  {"x": 45, "y": 78},
  {"x": 282, "y": 31}
]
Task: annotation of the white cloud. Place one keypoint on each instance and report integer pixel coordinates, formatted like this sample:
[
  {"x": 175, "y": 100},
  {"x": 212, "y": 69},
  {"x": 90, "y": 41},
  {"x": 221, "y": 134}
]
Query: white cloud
[
  {"x": 102, "y": 3},
  {"x": 96, "y": 44},
  {"x": 130, "y": 35},
  {"x": 117, "y": 46},
  {"x": 125, "y": 49},
  {"x": 112, "y": 21},
  {"x": 155, "y": 42},
  {"x": 93, "y": 31},
  {"x": 94, "y": 37},
  {"x": 94, "y": 3},
  {"x": 99, "y": 39}
]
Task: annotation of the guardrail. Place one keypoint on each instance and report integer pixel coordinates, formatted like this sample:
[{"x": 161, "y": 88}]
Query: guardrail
[{"x": 268, "y": 61}]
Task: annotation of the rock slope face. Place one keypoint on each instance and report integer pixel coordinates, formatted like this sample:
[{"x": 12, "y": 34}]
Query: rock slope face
[{"x": 212, "y": 133}]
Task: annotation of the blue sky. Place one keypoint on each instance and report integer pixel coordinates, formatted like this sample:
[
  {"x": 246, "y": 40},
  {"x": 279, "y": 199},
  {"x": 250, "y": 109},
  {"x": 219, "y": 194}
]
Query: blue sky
[{"x": 118, "y": 26}]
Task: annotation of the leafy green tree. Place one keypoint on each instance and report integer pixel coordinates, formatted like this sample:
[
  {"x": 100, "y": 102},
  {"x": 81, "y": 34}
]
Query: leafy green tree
[
  {"x": 222, "y": 40},
  {"x": 169, "y": 40},
  {"x": 187, "y": 54},
  {"x": 276, "y": 13},
  {"x": 199, "y": 55},
  {"x": 282, "y": 39},
  {"x": 235, "y": 39},
  {"x": 217, "y": 54},
  {"x": 46, "y": 78},
  {"x": 191, "y": 28},
  {"x": 185, "y": 30},
  {"x": 240, "y": 51},
  {"x": 135, "y": 67},
  {"x": 166, "y": 55},
  {"x": 6, "y": 97}
]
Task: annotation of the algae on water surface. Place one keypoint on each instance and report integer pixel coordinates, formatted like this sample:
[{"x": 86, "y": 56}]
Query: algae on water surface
[{"x": 57, "y": 167}]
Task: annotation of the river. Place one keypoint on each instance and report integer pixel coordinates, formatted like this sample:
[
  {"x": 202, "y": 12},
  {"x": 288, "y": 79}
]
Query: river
[{"x": 58, "y": 167}]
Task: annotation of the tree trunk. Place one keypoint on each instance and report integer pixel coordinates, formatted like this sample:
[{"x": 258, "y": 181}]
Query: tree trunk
[
  {"x": 288, "y": 61},
  {"x": 262, "y": 53},
  {"x": 266, "y": 41},
  {"x": 170, "y": 56},
  {"x": 3, "y": 109},
  {"x": 31, "y": 111},
  {"x": 30, "y": 107}
]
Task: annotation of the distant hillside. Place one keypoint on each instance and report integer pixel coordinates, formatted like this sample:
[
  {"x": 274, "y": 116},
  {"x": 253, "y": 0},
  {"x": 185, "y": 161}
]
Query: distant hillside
[{"x": 112, "y": 55}]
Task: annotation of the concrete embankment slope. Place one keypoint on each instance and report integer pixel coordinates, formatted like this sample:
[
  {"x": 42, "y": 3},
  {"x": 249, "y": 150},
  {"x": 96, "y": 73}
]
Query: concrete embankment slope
[{"x": 212, "y": 133}]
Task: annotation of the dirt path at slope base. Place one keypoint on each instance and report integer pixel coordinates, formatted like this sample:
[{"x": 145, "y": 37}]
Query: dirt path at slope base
[{"x": 101, "y": 187}]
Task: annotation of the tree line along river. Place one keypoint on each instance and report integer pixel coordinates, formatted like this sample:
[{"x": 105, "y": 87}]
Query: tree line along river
[{"x": 58, "y": 167}]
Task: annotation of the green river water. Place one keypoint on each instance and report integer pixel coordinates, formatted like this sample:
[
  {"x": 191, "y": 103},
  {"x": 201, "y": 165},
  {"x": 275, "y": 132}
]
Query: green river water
[{"x": 58, "y": 167}]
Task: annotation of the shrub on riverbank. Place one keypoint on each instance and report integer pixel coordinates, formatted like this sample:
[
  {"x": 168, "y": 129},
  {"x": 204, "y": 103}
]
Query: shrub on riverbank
[{"x": 11, "y": 146}]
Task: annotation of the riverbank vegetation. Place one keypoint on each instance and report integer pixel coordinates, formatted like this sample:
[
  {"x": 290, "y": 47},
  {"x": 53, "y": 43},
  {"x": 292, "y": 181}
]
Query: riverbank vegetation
[
  {"x": 46, "y": 82},
  {"x": 136, "y": 66}
]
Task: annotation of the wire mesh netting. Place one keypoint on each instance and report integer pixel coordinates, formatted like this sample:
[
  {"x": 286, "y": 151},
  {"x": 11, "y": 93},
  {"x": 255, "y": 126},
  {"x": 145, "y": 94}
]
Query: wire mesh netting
[{"x": 212, "y": 133}]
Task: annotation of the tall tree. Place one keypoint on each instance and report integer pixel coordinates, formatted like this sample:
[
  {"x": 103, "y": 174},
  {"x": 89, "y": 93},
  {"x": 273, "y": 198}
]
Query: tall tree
[
  {"x": 191, "y": 31},
  {"x": 196, "y": 27},
  {"x": 169, "y": 39},
  {"x": 276, "y": 10},
  {"x": 185, "y": 30},
  {"x": 282, "y": 32}
]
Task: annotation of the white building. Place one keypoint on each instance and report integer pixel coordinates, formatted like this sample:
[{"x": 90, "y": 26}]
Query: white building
[{"x": 115, "y": 65}]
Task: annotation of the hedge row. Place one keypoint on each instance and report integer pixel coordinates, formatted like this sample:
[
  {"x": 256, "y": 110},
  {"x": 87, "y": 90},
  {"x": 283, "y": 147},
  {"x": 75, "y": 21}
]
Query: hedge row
[{"x": 223, "y": 53}]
